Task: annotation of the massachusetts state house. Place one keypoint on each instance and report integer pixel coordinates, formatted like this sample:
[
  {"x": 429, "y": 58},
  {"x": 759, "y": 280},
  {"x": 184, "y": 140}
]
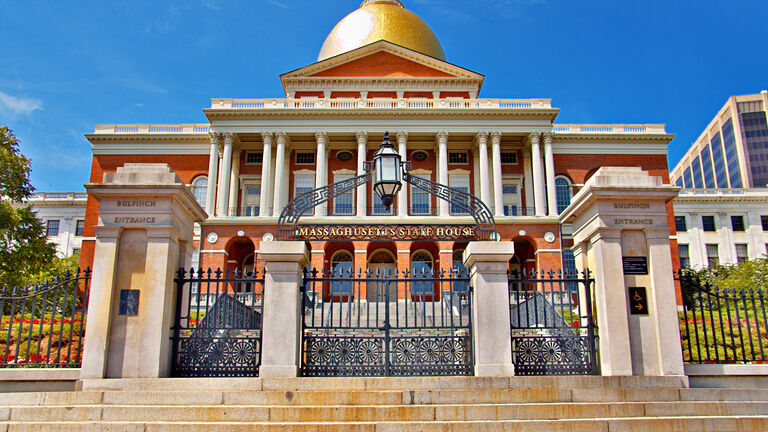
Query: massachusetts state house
[{"x": 381, "y": 69}]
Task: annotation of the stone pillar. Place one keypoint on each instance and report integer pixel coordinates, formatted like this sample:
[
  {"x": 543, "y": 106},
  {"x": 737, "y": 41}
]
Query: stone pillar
[
  {"x": 403, "y": 264},
  {"x": 498, "y": 183},
  {"x": 321, "y": 171},
  {"x": 485, "y": 185},
  {"x": 281, "y": 328},
  {"x": 224, "y": 175},
  {"x": 442, "y": 144},
  {"x": 539, "y": 199},
  {"x": 527, "y": 180},
  {"x": 620, "y": 218},
  {"x": 213, "y": 174},
  {"x": 280, "y": 177},
  {"x": 362, "y": 150},
  {"x": 146, "y": 222},
  {"x": 402, "y": 197},
  {"x": 726, "y": 250},
  {"x": 549, "y": 168},
  {"x": 234, "y": 184},
  {"x": 266, "y": 176},
  {"x": 487, "y": 263}
]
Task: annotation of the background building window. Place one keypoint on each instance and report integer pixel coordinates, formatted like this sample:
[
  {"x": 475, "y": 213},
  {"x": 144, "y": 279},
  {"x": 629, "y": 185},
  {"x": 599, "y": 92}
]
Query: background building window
[
  {"x": 254, "y": 158},
  {"x": 713, "y": 257},
  {"x": 737, "y": 223},
  {"x": 680, "y": 224},
  {"x": 764, "y": 222},
  {"x": 79, "y": 227},
  {"x": 458, "y": 158},
  {"x": 341, "y": 267},
  {"x": 562, "y": 193},
  {"x": 52, "y": 228},
  {"x": 421, "y": 267},
  {"x": 459, "y": 183},
  {"x": 344, "y": 204},
  {"x": 741, "y": 253},
  {"x": 305, "y": 158},
  {"x": 509, "y": 158},
  {"x": 200, "y": 190},
  {"x": 420, "y": 199},
  {"x": 685, "y": 258},
  {"x": 76, "y": 252},
  {"x": 708, "y": 223}
]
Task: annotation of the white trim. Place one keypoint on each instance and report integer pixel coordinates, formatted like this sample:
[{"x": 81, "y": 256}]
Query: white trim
[
  {"x": 210, "y": 251},
  {"x": 419, "y": 172},
  {"x": 458, "y": 171},
  {"x": 344, "y": 171},
  {"x": 89, "y": 238},
  {"x": 547, "y": 251},
  {"x": 361, "y": 251},
  {"x": 318, "y": 251},
  {"x": 446, "y": 251},
  {"x": 404, "y": 251},
  {"x": 304, "y": 172}
]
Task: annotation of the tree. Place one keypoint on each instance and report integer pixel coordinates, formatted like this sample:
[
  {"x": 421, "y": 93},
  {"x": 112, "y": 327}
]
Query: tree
[{"x": 25, "y": 252}]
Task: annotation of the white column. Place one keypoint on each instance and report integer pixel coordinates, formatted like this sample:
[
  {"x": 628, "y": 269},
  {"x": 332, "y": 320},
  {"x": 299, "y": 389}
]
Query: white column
[
  {"x": 226, "y": 166},
  {"x": 697, "y": 250},
  {"x": 280, "y": 176},
  {"x": 234, "y": 183},
  {"x": 756, "y": 246},
  {"x": 498, "y": 190},
  {"x": 321, "y": 170},
  {"x": 538, "y": 176},
  {"x": 727, "y": 246},
  {"x": 402, "y": 197},
  {"x": 266, "y": 176},
  {"x": 442, "y": 144},
  {"x": 528, "y": 178},
  {"x": 549, "y": 168},
  {"x": 485, "y": 185},
  {"x": 362, "y": 146},
  {"x": 213, "y": 174}
]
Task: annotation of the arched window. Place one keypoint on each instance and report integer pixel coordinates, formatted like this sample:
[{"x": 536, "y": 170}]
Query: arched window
[
  {"x": 562, "y": 192},
  {"x": 341, "y": 267},
  {"x": 421, "y": 268},
  {"x": 200, "y": 190}
]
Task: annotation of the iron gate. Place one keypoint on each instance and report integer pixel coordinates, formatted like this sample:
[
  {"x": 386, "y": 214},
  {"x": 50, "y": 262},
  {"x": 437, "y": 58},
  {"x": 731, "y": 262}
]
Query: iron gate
[
  {"x": 379, "y": 324},
  {"x": 217, "y": 331},
  {"x": 552, "y": 327}
]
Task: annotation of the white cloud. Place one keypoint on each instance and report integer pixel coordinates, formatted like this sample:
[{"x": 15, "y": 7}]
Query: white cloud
[
  {"x": 278, "y": 4},
  {"x": 19, "y": 105}
]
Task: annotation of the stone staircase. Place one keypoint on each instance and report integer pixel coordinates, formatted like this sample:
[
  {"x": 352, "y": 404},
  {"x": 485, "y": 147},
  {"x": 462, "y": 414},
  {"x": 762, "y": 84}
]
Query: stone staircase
[{"x": 388, "y": 404}]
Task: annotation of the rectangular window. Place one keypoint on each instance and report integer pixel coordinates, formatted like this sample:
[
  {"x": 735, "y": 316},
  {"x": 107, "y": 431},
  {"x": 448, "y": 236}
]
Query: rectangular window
[
  {"x": 689, "y": 178},
  {"x": 679, "y": 182},
  {"x": 737, "y": 223},
  {"x": 251, "y": 200},
  {"x": 741, "y": 253},
  {"x": 718, "y": 160},
  {"x": 680, "y": 224},
  {"x": 511, "y": 199},
  {"x": 303, "y": 184},
  {"x": 509, "y": 158},
  {"x": 731, "y": 155},
  {"x": 708, "y": 223},
  {"x": 52, "y": 228},
  {"x": 457, "y": 158},
  {"x": 460, "y": 183},
  {"x": 706, "y": 166},
  {"x": 79, "y": 227},
  {"x": 420, "y": 200},
  {"x": 344, "y": 204},
  {"x": 685, "y": 259},
  {"x": 713, "y": 258},
  {"x": 764, "y": 221},
  {"x": 254, "y": 158},
  {"x": 698, "y": 181},
  {"x": 76, "y": 252},
  {"x": 305, "y": 158}
]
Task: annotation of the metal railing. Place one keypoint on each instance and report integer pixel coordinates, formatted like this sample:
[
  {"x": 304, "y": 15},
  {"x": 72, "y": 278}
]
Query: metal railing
[
  {"x": 722, "y": 325},
  {"x": 43, "y": 325}
]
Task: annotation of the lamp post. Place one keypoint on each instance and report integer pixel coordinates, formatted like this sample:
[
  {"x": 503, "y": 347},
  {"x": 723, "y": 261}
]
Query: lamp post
[{"x": 388, "y": 172}]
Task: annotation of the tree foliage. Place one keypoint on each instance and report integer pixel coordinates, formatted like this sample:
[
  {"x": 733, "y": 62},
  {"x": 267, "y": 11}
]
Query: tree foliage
[
  {"x": 25, "y": 252},
  {"x": 752, "y": 274}
]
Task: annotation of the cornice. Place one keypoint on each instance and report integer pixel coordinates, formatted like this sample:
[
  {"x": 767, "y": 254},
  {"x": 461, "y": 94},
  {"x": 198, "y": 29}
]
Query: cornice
[
  {"x": 148, "y": 138},
  {"x": 212, "y": 113}
]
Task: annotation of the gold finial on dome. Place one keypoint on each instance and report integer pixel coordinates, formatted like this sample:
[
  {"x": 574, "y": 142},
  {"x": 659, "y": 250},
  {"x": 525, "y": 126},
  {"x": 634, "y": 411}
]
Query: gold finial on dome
[{"x": 377, "y": 20}]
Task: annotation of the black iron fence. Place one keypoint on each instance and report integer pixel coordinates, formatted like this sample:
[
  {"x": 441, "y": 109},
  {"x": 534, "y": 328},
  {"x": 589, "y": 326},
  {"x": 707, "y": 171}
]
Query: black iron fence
[
  {"x": 381, "y": 323},
  {"x": 552, "y": 327},
  {"x": 43, "y": 325},
  {"x": 722, "y": 325},
  {"x": 217, "y": 331}
]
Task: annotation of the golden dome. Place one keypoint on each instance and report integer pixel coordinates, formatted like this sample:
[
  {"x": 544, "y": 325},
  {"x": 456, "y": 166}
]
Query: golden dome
[{"x": 381, "y": 20}]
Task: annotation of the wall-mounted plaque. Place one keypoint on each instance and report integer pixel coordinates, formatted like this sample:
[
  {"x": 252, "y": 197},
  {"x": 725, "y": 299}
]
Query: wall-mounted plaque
[
  {"x": 635, "y": 265},
  {"x": 638, "y": 301},
  {"x": 129, "y": 302}
]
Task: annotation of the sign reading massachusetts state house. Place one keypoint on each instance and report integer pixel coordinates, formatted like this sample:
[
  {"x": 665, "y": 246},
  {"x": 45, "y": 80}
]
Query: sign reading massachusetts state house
[{"x": 385, "y": 232}]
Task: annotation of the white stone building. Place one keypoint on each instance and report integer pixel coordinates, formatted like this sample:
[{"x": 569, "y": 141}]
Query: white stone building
[
  {"x": 63, "y": 215},
  {"x": 724, "y": 226}
]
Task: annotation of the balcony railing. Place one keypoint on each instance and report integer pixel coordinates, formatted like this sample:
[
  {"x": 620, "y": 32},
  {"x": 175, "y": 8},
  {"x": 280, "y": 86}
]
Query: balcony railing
[
  {"x": 649, "y": 129},
  {"x": 373, "y": 104},
  {"x": 253, "y": 211},
  {"x": 59, "y": 195}
]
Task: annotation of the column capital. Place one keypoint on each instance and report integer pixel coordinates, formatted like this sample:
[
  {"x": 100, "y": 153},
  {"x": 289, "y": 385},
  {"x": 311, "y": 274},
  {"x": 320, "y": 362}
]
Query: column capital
[
  {"x": 362, "y": 136},
  {"x": 402, "y": 136},
  {"x": 442, "y": 137},
  {"x": 547, "y": 138},
  {"x": 535, "y": 138},
  {"x": 482, "y": 136},
  {"x": 267, "y": 137},
  {"x": 321, "y": 136},
  {"x": 228, "y": 138},
  {"x": 215, "y": 137},
  {"x": 495, "y": 137}
]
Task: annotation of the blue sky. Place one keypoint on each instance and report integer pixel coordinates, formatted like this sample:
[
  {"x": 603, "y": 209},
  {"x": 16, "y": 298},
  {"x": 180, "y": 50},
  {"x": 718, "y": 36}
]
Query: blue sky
[{"x": 67, "y": 65}]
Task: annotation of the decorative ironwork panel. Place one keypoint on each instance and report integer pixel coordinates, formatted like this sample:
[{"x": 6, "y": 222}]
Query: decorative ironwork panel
[
  {"x": 382, "y": 324},
  {"x": 217, "y": 332},
  {"x": 552, "y": 329}
]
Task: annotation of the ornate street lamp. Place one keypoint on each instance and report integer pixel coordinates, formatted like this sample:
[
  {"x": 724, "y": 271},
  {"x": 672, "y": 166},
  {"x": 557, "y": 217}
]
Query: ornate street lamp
[{"x": 388, "y": 172}]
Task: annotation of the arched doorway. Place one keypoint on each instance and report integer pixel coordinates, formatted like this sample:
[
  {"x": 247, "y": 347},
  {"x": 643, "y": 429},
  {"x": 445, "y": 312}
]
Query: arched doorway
[
  {"x": 422, "y": 267},
  {"x": 342, "y": 264},
  {"x": 382, "y": 265}
]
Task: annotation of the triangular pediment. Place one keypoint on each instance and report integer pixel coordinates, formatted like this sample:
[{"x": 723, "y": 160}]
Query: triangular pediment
[{"x": 382, "y": 59}]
